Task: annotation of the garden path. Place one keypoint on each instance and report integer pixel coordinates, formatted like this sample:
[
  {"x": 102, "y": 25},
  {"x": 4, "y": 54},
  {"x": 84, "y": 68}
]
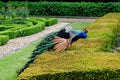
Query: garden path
[{"x": 20, "y": 42}]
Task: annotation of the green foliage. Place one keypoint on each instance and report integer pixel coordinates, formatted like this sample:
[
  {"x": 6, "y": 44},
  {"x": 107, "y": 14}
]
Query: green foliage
[
  {"x": 31, "y": 30},
  {"x": 22, "y": 12},
  {"x": 31, "y": 26},
  {"x": 112, "y": 36},
  {"x": 11, "y": 34},
  {"x": 86, "y": 9},
  {"x": 79, "y": 75},
  {"x": 48, "y": 21},
  {"x": 3, "y": 39},
  {"x": 108, "y": 27},
  {"x": 11, "y": 12},
  {"x": 2, "y": 27}
]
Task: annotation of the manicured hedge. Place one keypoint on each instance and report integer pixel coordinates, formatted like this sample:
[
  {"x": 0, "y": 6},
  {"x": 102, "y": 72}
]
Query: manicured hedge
[
  {"x": 3, "y": 39},
  {"x": 109, "y": 34},
  {"x": 89, "y": 59},
  {"x": 11, "y": 34},
  {"x": 31, "y": 30},
  {"x": 2, "y": 27},
  {"x": 48, "y": 21},
  {"x": 32, "y": 26},
  {"x": 83, "y": 9},
  {"x": 65, "y": 0},
  {"x": 79, "y": 75}
]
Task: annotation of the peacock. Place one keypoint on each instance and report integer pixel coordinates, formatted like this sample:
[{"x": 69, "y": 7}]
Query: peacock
[
  {"x": 57, "y": 41},
  {"x": 45, "y": 44},
  {"x": 67, "y": 36}
]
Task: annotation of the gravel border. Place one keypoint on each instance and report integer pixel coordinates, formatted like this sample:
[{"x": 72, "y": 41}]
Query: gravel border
[{"x": 20, "y": 42}]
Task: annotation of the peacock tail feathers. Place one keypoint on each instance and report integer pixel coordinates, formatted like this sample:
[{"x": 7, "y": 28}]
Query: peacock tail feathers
[{"x": 45, "y": 44}]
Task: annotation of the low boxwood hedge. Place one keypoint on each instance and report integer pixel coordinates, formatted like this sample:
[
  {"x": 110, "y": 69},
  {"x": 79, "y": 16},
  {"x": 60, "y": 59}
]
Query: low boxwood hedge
[
  {"x": 48, "y": 21},
  {"x": 2, "y": 27},
  {"x": 32, "y": 26},
  {"x": 4, "y": 39},
  {"x": 11, "y": 34},
  {"x": 31, "y": 30}
]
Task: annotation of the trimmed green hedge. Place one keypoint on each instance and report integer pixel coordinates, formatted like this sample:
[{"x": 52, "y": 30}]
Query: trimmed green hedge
[
  {"x": 2, "y": 27},
  {"x": 79, "y": 75},
  {"x": 11, "y": 34},
  {"x": 48, "y": 21},
  {"x": 32, "y": 26},
  {"x": 109, "y": 34},
  {"x": 86, "y": 9},
  {"x": 31, "y": 30},
  {"x": 3, "y": 39}
]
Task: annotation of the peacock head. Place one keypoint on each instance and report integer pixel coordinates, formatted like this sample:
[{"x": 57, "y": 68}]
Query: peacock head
[{"x": 85, "y": 31}]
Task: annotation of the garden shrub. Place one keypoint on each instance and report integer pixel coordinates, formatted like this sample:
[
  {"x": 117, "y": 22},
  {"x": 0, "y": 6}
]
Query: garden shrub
[
  {"x": 86, "y": 9},
  {"x": 3, "y": 39},
  {"x": 87, "y": 59}
]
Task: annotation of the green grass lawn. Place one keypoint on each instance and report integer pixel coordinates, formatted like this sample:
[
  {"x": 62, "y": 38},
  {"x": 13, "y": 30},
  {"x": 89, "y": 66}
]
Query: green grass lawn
[
  {"x": 79, "y": 25},
  {"x": 10, "y": 64}
]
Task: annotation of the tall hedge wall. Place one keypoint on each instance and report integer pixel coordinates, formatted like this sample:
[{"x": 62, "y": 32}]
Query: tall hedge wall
[
  {"x": 86, "y": 9},
  {"x": 66, "y": 0}
]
